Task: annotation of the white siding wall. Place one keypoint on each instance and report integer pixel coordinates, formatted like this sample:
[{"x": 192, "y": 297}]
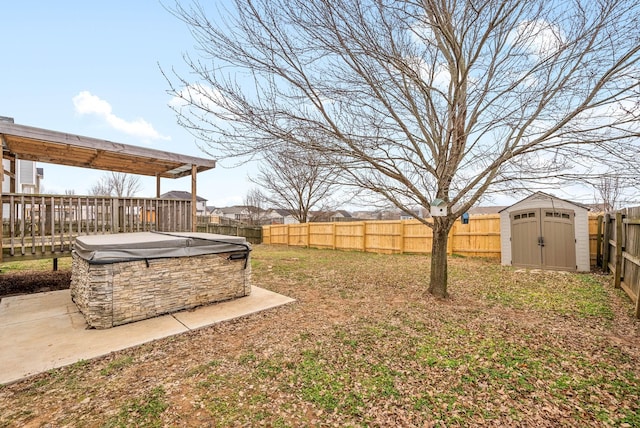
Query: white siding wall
[
  {"x": 25, "y": 176},
  {"x": 290, "y": 220},
  {"x": 581, "y": 227},
  {"x": 27, "y": 172}
]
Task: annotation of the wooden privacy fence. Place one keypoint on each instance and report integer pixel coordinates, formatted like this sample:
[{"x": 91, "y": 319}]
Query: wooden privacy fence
[
  {"x": 619, "y": 250},
  {"x": 253, "y": 234},
  {"x": 479, "y": 238}
]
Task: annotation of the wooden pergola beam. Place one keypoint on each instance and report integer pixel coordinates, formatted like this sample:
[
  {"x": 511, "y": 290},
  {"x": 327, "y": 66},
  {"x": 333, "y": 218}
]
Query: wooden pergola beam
[{"x": 42, "y": 145}]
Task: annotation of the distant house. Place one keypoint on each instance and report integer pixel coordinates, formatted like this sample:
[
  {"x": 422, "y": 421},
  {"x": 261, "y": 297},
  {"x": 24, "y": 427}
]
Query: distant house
[
  {"x": 27, "y": 177},
  {"x": 418, "y": 212},
  {"x": 341, "y": 215},
  {"x": 211, "y": 210},
  {"x": 236, "y": 212},
  {"x": 280, "y": 216},
  {"x": 330, "y": 216},
  {"x": 26, "y": 180},
  {"x": 201, "y": 203},
  {"x": 213, "y": 214},
  {"x": 366, "y": 215}
]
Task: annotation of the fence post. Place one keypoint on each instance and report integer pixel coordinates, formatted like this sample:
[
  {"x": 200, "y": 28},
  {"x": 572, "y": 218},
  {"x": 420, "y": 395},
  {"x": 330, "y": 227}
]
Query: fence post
[
  {"x": 599, "y": 242},
  {"x": 402, "y": 236},
  {"x": 115, "y": 215},
  {"x": 618, "y": 273},
  {"x": 364, "y": 236},
  {"x": 1, "y": 215},
  {"x": 308, "y": 235},
  {"x": 605, "y": 248}
]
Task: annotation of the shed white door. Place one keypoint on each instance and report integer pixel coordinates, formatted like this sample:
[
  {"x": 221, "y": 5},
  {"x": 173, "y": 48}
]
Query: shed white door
[{"x": 543, "y": 238}]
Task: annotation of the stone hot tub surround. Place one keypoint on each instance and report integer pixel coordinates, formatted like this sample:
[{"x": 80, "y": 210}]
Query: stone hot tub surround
[{"x": 121, "y": 278}]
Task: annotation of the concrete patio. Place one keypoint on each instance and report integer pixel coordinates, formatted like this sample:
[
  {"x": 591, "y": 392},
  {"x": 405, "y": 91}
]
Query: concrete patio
[{"x": 39, "y": 332}]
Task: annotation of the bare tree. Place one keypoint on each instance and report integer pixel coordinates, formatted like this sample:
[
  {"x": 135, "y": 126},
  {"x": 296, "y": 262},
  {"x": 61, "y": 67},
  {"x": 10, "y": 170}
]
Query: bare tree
[
  {"x": 608, "y": 191},
  {"x": 254, "y": 202},
  {"x": 297, "y": 181},
  {"x": 101, "y": 187},
  {"x": 421, "y": 100},
  {"x": 613, "y": 191},
  {"x": 69, "y": 192},
  {"x": 116, "y": 184}
]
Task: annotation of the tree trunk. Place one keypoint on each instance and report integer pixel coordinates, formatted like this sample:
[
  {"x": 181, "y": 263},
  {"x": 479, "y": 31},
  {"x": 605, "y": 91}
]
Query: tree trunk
[{"x": 438, "y": 282}]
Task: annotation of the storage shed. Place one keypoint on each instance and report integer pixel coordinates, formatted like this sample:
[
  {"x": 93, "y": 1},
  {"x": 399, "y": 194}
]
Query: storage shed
[{"x": 545, "y": 232}]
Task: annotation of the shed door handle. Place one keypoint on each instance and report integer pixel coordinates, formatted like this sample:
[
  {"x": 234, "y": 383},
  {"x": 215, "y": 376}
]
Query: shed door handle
[{"x": 541, "y": 241}]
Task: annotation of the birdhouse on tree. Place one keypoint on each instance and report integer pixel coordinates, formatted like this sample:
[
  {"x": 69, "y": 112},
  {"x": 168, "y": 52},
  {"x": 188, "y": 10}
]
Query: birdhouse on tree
[{"x": 438, "y": 208}]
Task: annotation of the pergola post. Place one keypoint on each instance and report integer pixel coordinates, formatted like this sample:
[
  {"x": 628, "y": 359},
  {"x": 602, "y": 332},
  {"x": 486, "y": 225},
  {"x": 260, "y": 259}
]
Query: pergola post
[
  {"x": 1, "y": 204},
  {"x": 194, "y": 199},
  {"x": 12, "y": 175}
]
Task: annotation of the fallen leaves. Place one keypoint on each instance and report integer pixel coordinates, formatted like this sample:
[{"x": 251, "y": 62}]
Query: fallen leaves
[{"x": 364, "y": 346}]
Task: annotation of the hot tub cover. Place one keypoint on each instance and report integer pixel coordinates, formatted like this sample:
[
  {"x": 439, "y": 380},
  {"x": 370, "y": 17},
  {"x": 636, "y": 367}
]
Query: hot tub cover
[{"x": 123, "y": 247}]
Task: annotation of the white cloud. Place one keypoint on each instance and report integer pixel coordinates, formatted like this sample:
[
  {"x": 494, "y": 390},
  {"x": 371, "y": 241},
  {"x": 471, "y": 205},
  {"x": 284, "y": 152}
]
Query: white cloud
[
  {"x": 438, "y": 77},
  {"x": 199, "y": 95},
  {"x": 87, "y": 103},
  {"x": 539, "y": 38}
]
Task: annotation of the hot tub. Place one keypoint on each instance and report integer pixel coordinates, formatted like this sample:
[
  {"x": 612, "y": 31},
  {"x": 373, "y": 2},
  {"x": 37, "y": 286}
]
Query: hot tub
[{"x": 121, "y": 278}]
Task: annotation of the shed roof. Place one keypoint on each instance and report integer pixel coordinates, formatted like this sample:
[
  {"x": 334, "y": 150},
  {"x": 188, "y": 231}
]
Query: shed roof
[
  {"x": 43, "y": 145},
  {"x": 542, "y": 195}
]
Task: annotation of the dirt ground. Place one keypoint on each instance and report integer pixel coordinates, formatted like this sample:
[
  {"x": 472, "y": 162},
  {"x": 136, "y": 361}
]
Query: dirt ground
[{"x": 33, "y": 281}]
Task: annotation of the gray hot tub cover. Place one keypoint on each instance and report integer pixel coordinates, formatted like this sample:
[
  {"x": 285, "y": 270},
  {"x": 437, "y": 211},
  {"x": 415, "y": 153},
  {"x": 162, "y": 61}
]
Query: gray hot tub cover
[{"x": 121, "y": 247}]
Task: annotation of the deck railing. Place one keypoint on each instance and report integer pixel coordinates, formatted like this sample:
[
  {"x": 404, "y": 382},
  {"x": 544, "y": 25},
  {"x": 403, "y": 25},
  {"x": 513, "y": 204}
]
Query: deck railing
[{"x": 45, "y": 226}]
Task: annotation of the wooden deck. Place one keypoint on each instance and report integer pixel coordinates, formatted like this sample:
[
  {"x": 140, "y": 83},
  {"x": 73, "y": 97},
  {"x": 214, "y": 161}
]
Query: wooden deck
[{"x": 45, "y": 226}]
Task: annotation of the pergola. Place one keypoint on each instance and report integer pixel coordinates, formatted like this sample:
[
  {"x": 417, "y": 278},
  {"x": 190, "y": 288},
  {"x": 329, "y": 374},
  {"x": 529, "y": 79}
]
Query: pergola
[{"x": 43, "y": 145}]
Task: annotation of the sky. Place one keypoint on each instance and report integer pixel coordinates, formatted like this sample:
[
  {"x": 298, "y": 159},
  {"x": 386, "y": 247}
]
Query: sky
[{"x": 93, "y": 69}]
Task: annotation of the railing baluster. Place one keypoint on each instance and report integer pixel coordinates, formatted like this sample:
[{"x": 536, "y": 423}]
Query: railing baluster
[
  {"x": 22, "y": 224},
  {"x": 53, "y": 222},
  {"x": 43, "y": 216},
  {"x": 79, "y": 216},
  {"x": 12, "y": 224},
  {"x": 102, "y": 215},
  {"x": 62, "y": 218},
  {"x": 32, "y": 210},
  {"x": 94, "y": 216},
  {"x": 130, "y": 216},
  {"x": 70, "y": 223},
  {"x": 143, "y": 215}
]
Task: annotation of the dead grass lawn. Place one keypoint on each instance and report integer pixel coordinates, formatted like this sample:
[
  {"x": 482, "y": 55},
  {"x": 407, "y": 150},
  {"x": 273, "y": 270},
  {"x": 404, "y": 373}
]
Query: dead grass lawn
[{"x": 364, "y": 346}]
